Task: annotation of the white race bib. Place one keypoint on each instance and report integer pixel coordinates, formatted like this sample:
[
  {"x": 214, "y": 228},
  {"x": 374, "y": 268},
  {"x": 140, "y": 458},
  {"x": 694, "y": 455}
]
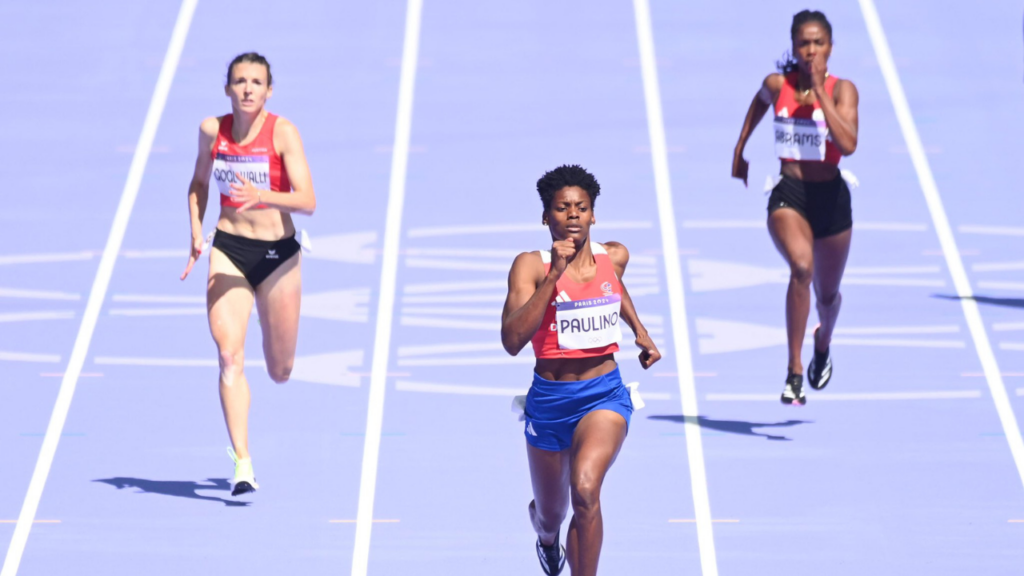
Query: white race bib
[
  {"x": 256, "y": 170},
  {"x": 591, "y": 323},
  {"x": 800, "y": 138}
]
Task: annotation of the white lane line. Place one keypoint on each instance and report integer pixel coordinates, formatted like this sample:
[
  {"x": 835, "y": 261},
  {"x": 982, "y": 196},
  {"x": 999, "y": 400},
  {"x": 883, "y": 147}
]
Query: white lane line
[
  {"x": 166, "y": 362},
  {"x": 462, "y": 252},
  {"x": 407, "y": 386},
  {"x": 38, "y": 294},
  {"x": 854, "y": 396},
  {"x": 453, "y": 287},
  {"x": 991, "y": 230},
  {"x": 98, "y": 292},
  {"x": 1007, "y": 326},
  {"x": 945, "y": 233},
  {"x": 46, "y": 258},
  {"x": 157, "y": 299},
  {"x": 897, "y": 343},
  {"x": 33, "y": 316},
  {"x": 169, "y": 253},
  {"x": 674, "y": 281},
  {"x": 1020, "y": 391},
  {"x": 507, "y": 228},
  {"x": 871, "y": 330},
  {"x": 894, "y": 282},
  {"x": 28, "y": 357},
  {"x": 892, "y": 270},
  {"x": 471, "y": 361},
  {"x": 388, "y": 281},
  {"x": 892, "y": 226},
  {"x": 1018, "y": 346}
]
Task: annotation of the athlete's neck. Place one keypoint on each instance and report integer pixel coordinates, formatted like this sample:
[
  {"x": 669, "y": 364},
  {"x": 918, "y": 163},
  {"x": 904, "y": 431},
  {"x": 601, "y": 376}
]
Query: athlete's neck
[{"x": 245, "y": 123}]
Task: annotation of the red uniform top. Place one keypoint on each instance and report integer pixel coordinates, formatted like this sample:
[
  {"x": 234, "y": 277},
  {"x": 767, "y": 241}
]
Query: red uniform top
[
  {"x": 799, "y": 142},
  {"x": 583, "y": 319},
  {"x": 258, "y": 161}
]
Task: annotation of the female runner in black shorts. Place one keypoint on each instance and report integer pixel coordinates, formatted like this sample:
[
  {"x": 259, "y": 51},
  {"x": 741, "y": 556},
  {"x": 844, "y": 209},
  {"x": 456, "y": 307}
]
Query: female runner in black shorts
[{"x": 809, "y": 214}]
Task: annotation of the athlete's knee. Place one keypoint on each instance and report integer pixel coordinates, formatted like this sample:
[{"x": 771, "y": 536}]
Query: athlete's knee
[
  {"x": 231, "y": 364},
  {"x": 549, "y": 521},
  {"x": 801, "y": 271},
  {"x": 829, "y": 300},
  {"x": 280, "y": 373},
  {"x": 586, "y": 494}
]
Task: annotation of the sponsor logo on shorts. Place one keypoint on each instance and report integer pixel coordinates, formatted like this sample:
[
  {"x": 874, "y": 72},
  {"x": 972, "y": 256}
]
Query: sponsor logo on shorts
[
  {"x": 529, "y": 429},
  {"x": 272, "y": 254}
]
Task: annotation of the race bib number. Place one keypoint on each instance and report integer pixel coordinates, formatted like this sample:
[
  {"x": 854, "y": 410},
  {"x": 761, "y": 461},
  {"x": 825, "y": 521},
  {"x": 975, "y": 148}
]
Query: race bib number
[
  {"x": 800, "y": 138},
  {"x": 226, "y": 168},
  {"x": 592, "y": 323}
]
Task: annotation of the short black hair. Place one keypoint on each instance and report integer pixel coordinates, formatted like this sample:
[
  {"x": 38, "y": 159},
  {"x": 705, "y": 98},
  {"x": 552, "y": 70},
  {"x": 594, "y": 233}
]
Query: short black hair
[
  {"x": 250, "y": 58},
  {"x": 788, "y": 63},
  {"x": 564, "y": 176}
]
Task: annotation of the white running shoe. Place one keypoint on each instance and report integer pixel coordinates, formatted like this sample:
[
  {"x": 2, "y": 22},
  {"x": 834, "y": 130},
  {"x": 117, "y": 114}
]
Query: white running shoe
[{"x": 245, "y": 479}]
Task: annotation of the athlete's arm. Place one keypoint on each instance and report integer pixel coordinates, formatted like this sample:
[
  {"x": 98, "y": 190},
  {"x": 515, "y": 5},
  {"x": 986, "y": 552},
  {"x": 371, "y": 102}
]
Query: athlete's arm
[
  {"x": 840, "y": 113},
  {"x": 302, "y": 200},
  {"x": 529, "y": 294},
  {"x": 649, "y": 353},
  {"x": 199, "y": 188},
  {"x": 763, "y": 100}
]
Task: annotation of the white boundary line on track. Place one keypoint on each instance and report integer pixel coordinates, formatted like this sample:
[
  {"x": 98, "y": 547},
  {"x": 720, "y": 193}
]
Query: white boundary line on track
[
  {"x": 99, "y": 289},
  {"x": 945, "y": 233},
  {"x": 388, "y": 281},
  {"x": 674, "y": 280}
]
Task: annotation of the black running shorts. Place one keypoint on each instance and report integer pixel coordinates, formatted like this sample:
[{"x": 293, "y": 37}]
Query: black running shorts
[
  {"x": 256, "y": 259},
  {"x": 825, "y": 205}
]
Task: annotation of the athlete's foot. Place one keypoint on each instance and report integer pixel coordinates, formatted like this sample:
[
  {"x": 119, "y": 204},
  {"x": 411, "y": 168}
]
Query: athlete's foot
[
  {"x": 245, "y": 479},
  {"x": 552, "y": 557},
  {"x": 793, "y": 393},
  {"x": 819, "y": 371}
]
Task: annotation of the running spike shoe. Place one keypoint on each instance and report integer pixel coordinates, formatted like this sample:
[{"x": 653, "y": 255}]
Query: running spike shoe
[
  {"x": 245, "y": 480},
  {"x": 552, "y": 558},
  {"x": 819, "y": 371},
  {"x": 793, "y": 393}
]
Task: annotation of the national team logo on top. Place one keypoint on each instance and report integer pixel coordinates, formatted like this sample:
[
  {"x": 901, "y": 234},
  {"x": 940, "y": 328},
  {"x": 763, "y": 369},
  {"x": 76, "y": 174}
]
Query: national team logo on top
[{"x": 607, "y": 288}]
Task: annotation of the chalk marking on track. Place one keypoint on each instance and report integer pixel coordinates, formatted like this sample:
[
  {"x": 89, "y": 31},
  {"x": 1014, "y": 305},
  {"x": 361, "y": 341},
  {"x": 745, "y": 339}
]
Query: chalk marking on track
[
  {"x": 1007, "y": 326},
  {"x": 453, "y": 287},
  {"x": 674, "y": 281},
  {"x": 760, "y": 225},
  {"x": 999, "y": 285},
  {"x": 28, "y": 357},
  {"x": 998, "y": 266},
  {"x": 408, "y": 386},
  {"x": 944, "y": 231},
  {"x": 99, "y": 289},
  {"x": 1011, "y": 345},
  {"x": 46, "y": 258},
  {"x": 176, "y": 311},
  {"x": 988, "y": 230},
  {"x": 34, "y": 316},
  {"x": 388, "y": 282},
  {"x": 38, "y": 294},
  {"x": 157, "y": 299},
  {"x": 375, "y": 521},
  {"x": 853, "y": 396}
]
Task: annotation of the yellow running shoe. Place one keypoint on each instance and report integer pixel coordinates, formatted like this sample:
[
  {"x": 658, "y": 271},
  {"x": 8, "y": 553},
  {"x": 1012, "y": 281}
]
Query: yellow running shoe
[{"x": 245, "y": 480}]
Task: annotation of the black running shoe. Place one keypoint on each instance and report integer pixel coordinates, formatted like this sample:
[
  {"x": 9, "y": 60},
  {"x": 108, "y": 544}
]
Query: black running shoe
[
  {"x": 793, "y": 393},
  {"x": 552, "y": 558},
  {"x": 819, "y": 371}
]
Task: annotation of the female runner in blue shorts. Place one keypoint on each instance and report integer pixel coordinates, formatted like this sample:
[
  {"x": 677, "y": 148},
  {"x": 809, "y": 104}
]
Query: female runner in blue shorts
[{"x": 568, "y": 301}]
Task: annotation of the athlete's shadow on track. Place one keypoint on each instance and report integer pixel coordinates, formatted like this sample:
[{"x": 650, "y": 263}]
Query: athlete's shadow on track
[
  {"x": 179, "y": 488},
  {"x": 1008, "y": 302},
  {"x": 734, "y": 426}
]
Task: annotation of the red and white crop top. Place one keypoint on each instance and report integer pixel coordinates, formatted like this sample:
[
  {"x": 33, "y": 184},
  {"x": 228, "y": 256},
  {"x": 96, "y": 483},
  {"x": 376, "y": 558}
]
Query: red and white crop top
[
  {"x": 583, "y": 319},
  {"x": 800, "y": 131},
  {"x": 258, "y": 161}
]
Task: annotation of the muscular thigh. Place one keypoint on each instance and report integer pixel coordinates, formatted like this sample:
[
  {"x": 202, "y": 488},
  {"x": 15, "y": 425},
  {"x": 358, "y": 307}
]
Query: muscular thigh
[
  {"x": 830, "y": 256},
  {"x": 277, "y": 301},
  {"x": 596, "y": 443},
  {"x": 549, "y": 474},
  {"x": 228, "y": 302},
  {"x": 792, "y": 235}
]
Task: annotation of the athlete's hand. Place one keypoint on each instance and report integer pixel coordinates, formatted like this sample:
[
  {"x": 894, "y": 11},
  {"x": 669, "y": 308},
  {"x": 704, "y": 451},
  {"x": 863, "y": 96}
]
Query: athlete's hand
[
  {"x": 740, "y": 167},
  {"x": 562, "y": 253},
  {"x": 195, "y": 251},
  {"x": 648, "y": 351},
  {"x": 819, "y": 70},
  {"x": 245, "y": 193}
]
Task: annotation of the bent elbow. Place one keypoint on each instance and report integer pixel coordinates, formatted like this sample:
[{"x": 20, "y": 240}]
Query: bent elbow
[{"x": 508, "y": 342}]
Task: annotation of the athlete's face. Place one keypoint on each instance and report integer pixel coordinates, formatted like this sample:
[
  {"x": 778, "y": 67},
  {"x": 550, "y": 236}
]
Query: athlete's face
[
  {"x": 249, "y": 88},
  {"x": 812, "y": 41},
  {"x": 570, "y": 215}
]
